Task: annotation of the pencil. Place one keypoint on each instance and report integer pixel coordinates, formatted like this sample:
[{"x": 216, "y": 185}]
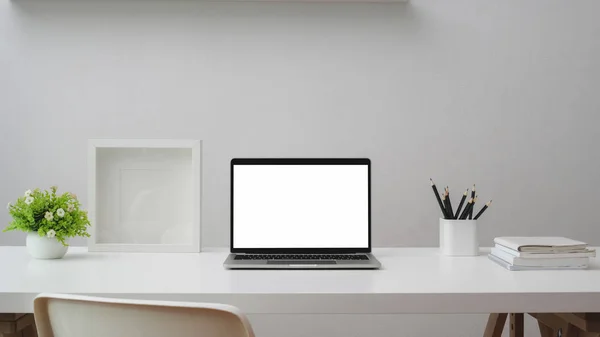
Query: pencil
[
  {"x": 464, "y": 213},
  {"x": 446, "y": 201},
  {"x": 460, "y": 205},
  {"x": 483, "y": 209},
  {"x": 472, "y": 207},
  {"x": 449, "y": 208},
  {"x": 472, "y": 196},
  {"x": 437, "y": 196},
  {"x": 445, "y": 204},
  {"x": 466, "y": 217}
]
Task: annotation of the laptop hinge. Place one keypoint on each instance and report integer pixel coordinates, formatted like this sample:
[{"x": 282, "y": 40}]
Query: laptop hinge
[{"x": 299, "y": 253}]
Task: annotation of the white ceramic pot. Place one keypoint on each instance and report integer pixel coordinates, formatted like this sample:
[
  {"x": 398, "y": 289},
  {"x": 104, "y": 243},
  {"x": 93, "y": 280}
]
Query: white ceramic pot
[
  {"x": 41, "y": 247},
  {"x": 459, "y": 237}
]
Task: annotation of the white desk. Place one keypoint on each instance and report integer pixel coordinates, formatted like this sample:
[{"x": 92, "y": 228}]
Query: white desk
[{"x": 414, "y": 280}]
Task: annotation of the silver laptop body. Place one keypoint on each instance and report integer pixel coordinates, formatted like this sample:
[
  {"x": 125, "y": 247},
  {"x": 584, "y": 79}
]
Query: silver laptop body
[
  {"x": 292, "y": 263},
  {"x": 301, "y": 214}
]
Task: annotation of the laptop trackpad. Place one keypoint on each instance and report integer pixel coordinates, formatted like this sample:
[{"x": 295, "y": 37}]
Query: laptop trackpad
[{"x": 297, "y": 262}]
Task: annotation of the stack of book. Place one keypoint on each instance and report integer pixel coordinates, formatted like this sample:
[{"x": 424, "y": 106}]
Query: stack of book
[{"x": 540, "y": 253}]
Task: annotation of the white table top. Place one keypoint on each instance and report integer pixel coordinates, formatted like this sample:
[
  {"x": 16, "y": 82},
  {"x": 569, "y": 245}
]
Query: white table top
[{"x": 413, "y": 280}]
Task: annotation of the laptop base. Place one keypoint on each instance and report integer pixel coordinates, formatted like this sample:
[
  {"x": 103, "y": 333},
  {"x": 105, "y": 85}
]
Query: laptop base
[{"x": 370, "y": 263}]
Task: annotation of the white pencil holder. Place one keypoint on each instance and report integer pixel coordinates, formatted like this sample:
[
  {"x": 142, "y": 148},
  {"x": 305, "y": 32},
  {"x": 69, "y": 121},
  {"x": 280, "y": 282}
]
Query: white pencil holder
[{"x": 458, "y": 237}]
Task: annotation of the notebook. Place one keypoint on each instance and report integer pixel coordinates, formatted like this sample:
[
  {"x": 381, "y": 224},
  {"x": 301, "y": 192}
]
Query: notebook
[
  {"x": 547, "y": 262},
  {"x": 589, "y": 252},
  {"x": 511, "y": 267},
  {"x": 541, "y": 244}
]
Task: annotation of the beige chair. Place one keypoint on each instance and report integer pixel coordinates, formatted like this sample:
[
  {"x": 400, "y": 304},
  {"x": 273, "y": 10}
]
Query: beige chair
[{"x": 76, "y": 316}]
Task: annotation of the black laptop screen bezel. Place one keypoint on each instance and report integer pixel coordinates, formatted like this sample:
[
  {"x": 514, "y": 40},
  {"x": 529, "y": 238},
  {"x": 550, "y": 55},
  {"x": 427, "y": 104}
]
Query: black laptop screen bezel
[{"x": 301, "y": 161}]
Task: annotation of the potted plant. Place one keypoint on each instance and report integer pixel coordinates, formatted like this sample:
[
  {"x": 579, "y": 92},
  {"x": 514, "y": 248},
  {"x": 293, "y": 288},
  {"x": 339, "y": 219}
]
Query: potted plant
[{"x": 49, "y": 219}]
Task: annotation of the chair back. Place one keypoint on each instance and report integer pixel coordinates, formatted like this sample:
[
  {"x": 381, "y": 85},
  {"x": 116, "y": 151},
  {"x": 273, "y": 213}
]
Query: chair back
[{"x": 76, "y": 316}]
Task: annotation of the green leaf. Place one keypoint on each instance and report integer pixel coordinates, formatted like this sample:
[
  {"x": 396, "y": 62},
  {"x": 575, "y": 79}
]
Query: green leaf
[{"x": 31, "y": 217}]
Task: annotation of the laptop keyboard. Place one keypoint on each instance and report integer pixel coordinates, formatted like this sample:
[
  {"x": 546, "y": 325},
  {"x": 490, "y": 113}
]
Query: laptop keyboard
[{"x": 302, "y": 257}]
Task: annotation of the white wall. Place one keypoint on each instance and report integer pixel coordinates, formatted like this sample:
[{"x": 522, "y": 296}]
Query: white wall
[{"x": 501, "y": 93}]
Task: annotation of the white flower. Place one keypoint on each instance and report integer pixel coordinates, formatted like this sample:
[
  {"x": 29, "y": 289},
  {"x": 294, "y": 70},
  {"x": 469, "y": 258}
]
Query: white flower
[
  {"x": 51, "y": 233},
  {"x": 49, "y": 216},
  {"x": 60, "y": 212},
  {"x": 27, "y": 193},
  {"x": 70, "y": 208},
  {"x": 28, "y": 200},
  {"x": 8, "y": 206}
]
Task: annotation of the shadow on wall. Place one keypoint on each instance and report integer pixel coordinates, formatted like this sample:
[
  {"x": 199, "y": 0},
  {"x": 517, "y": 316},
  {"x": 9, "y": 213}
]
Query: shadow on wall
[{"x": 229, "y": 16}]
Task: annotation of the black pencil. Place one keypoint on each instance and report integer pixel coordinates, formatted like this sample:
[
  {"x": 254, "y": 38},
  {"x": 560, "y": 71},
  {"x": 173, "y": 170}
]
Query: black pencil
[
  {"x": 449, "y": 208},
  {"x": 445, "y": 205},
  {"x": 460, "y": 205},
  {"x": 472, "y": 208},
  {"x": 437, "y": 196},
  {"x": 473, "y": 197},
  {"x": 446, "y": 201},
  {"x": 464, "y": 213},
  {"x": 483, "y": 210}
]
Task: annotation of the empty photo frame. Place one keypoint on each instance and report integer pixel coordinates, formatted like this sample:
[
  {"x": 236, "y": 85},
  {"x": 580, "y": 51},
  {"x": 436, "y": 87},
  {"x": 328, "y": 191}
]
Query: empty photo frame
[{"x": 144, "y": 195}]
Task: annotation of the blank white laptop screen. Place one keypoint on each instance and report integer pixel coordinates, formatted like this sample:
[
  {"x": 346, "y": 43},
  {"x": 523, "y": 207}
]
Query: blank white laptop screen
[{"x": 300, "y": 206}]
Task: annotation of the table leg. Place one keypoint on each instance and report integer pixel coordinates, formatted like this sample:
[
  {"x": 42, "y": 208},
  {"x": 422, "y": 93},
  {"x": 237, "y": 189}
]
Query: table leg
[
  {"x": 495, "y": 325},
  {"x": 545, "y": 331},
  {"x": 30, "y": 331},
  {"x": 517, "y": 322},
  {"x": 571, "y": 331}
]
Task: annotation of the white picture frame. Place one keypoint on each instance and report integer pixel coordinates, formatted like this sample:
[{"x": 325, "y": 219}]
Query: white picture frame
[{"x": 144, "y": 195}]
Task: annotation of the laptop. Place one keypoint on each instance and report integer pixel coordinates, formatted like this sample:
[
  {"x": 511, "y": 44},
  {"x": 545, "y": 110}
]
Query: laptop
[{"x": 301, "y": 214}]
